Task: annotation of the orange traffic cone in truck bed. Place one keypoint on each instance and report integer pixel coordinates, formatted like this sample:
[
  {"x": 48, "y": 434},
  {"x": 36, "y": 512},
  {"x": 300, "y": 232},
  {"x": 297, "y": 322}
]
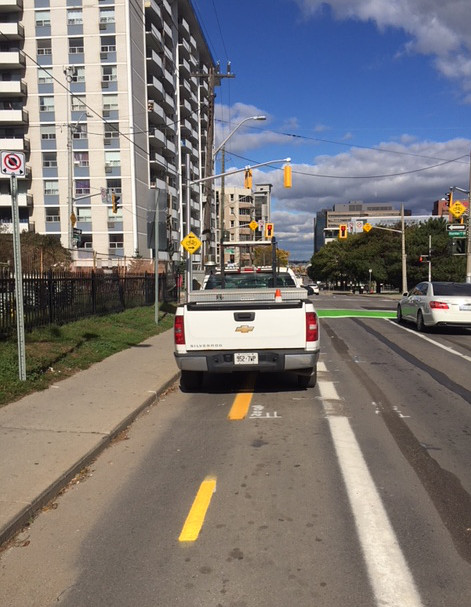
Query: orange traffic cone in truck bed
[{"x": 278, "y": 295}]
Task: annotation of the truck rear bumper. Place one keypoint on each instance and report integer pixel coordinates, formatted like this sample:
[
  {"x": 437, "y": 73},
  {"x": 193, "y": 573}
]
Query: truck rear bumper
[{"x": 268, "y": 362}]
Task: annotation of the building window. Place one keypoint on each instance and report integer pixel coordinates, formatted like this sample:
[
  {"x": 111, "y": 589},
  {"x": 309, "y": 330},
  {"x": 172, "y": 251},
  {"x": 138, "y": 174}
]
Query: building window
[
  {"x": 116, "y": 241},
  {"x": 44, "y": 77},
  {"x": 42, "y": 18},
  {"x": 110, "y": 102},
  {"x": 107, "y": 15},
  {"x": 74, "y": 16},
  {"x": 79, "y": 74},
  {"x": 112, "y": 159},
  {"x": 84, "y": 214},
  {"x": 80, "y": 131},
  {"x": 81, "y": 159},
  {"x": 46, "y": 104},
  {"x": 113, "y": 185},
  {"x": 51, "y": 188},
  {"x": 82, "y": 187},
  {"x": 109, "y": 73},
  {"x": 111, "y": 130},
  {"x": 49, "y": 160},
  {"x": 78, "y": 103},
  {"x": 48, "y": 131},
  {"x": 76, "y": 46},
  {"x": 52, "y": 215},
  {"x": 44, "y": 47},
  {"x": 108, "y": 44}
]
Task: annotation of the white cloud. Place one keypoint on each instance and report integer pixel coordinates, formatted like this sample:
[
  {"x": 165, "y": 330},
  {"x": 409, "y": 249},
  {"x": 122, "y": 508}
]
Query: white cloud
[
  {"x": 391, "y": 174},
  {"x": 436, "y": 27}
]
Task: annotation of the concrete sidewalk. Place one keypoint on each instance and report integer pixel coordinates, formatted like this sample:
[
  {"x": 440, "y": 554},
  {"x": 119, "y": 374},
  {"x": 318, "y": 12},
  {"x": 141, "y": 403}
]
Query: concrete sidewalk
[{"x": 47, "y": 437}]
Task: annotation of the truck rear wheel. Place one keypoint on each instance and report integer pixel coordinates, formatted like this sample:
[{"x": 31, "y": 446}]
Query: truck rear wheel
[
  {"x": 190, "y": 380},
  {"x": 308, "y": 381}
]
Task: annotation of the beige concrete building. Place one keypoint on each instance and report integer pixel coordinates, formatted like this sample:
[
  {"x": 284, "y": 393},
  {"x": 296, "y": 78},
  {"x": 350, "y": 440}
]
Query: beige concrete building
[
  {"x": 242, "y": 205},
  {"x": 107, "y": 100}
]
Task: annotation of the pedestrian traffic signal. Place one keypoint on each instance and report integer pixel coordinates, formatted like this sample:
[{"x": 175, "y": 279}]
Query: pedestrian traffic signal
[
  {"x": 248, "y": 179},
  {"x": 269, "y": 230},
  {"x": 287, "y": 176},
  {"x": 114, "y": 202},
  {"x": 343, "y": 230}
]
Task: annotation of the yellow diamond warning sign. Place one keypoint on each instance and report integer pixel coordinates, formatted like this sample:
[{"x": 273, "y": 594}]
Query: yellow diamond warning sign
[
  {"x": 457, "y": 209},
  {"x": 253, "y": 225},
  {"x": 191, "y": 243}
]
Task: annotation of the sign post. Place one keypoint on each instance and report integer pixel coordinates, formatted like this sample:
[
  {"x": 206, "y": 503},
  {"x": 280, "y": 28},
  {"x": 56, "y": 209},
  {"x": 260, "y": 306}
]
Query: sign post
[{"x": 13, "y": 164}]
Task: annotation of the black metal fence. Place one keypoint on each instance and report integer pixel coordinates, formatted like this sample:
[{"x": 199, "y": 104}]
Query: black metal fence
[{"x": 58, "y": 298}]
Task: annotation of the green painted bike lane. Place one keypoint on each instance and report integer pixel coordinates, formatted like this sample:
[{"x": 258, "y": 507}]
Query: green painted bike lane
[{"x": 356, "y": 313}]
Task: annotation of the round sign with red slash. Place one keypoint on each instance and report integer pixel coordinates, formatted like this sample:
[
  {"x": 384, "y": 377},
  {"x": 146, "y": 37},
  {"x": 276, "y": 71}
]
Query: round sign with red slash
[{"x": 13, "y": 163}]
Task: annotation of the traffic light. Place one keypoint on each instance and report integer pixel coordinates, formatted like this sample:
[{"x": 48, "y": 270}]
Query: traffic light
[
  {"x": 248, "y": 179},
  {"x": 343, "y": 230},
  {"x": 449, "y": 198},
  {"x": 287, "y": 176},
  {"x": 114, "y": 202},
  {"x": 269, "y": 230}
]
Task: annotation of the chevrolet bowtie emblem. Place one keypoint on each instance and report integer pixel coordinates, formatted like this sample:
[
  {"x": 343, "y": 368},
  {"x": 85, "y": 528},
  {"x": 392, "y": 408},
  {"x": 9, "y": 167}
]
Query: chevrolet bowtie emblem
[{"x": 244, "y": 329}]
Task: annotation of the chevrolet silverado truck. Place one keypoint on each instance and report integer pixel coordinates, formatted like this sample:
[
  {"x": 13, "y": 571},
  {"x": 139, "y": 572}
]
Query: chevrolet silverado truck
[{"x": 261, "y": 321}]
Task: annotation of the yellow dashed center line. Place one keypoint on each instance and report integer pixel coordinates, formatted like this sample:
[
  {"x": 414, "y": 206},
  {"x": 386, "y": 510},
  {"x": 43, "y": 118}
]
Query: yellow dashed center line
[
  {"x": 241, "y": 404},
  {"x": 195, "y": 519}
]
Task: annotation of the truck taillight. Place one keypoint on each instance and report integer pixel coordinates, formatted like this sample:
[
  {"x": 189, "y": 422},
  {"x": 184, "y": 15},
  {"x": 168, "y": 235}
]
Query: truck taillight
[
  {"x": 312, "y": 332},
  {"x": 179, "y": 331}
]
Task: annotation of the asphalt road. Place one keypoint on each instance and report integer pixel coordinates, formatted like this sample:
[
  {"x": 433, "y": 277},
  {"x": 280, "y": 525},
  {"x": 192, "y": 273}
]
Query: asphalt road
[{"x": 356, "y": 492}]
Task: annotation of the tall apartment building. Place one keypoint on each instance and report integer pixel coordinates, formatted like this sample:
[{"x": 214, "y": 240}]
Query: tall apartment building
[
  {"x": 108, "y": 101},
  {"x": 242, "y": 205}
]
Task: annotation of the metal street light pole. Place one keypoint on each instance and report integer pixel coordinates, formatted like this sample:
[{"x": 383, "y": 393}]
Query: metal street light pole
[{"x": 222, "y": 200}]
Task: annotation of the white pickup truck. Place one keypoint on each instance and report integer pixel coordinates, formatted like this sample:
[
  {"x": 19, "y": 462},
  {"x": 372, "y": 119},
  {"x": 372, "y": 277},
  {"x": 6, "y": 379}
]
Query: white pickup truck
[{"x": 249, "y": 325}]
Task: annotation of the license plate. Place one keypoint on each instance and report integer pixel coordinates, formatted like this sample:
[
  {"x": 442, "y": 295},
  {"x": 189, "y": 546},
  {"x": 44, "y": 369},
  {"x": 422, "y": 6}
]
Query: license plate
[
  {"x": 465, "y": 307},
  {"x": 246, "y": 358}
]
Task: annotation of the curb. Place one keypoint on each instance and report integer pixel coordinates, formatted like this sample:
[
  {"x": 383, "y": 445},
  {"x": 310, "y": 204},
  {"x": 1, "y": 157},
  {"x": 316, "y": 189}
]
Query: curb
[{"x": 27, "y": 513}]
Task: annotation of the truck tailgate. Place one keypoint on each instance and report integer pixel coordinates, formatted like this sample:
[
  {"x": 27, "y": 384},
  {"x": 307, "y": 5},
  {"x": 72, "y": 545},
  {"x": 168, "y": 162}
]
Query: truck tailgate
[{"x": 245, "y": 327}]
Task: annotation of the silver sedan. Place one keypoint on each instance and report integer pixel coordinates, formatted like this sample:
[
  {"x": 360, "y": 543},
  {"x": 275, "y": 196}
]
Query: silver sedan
[{"x": 431, "y": 304}]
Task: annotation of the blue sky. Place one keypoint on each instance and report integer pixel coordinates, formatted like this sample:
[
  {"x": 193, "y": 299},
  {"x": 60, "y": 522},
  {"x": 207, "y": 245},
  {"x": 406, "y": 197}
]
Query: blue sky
[{"x": 371, "y": 99}]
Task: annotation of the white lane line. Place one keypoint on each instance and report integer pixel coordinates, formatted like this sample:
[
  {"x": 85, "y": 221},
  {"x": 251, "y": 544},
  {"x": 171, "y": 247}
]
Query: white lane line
[
  {"x": 435, "y": 343},
  {"x": 389, "y": 574}
]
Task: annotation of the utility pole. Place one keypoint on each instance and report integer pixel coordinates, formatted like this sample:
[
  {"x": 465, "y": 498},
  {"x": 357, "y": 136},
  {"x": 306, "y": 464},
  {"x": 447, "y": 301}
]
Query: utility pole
[
  {"x": 70, "y": 72},
  {"x": 214, "y": 77}
]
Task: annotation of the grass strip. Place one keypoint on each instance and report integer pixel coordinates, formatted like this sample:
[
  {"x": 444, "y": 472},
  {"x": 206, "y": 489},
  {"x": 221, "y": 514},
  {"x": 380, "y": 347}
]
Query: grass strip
[{"x": 56, "y": 352}]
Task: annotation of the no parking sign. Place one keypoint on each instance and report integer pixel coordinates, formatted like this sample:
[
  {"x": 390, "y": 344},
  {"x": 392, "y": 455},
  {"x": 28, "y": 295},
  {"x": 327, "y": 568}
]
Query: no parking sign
[{"x": 13, "y": 163}]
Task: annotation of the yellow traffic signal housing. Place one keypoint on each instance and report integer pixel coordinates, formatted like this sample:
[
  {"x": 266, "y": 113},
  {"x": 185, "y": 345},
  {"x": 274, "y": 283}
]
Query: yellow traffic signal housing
[
  {"x": 114, "y": 202},
  {"x": 269, "y": 230},
  {"x": 248, "y": 179},
  {"x": 287, "y": 176},
  {"x": 343, "y": 231}
]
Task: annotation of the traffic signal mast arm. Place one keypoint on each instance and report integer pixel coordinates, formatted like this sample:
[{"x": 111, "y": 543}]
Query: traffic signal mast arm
[{"x": 247, "y": 168}]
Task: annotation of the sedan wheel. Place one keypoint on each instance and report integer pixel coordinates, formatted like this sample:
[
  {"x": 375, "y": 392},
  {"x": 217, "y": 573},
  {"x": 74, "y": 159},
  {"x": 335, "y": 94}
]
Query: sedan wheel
[{"x": 420, "y": 322}]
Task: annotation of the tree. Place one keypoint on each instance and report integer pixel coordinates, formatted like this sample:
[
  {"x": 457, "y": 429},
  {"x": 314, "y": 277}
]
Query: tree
[
  {"x": 39, "y": 252},
  {"x": 262, "y": 256},
  {"x": 349, "y": 260}
]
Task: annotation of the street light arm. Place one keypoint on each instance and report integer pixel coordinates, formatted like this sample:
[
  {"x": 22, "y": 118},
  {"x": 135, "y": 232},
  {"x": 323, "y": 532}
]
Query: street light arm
[{"x": 221, "y": 145}]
